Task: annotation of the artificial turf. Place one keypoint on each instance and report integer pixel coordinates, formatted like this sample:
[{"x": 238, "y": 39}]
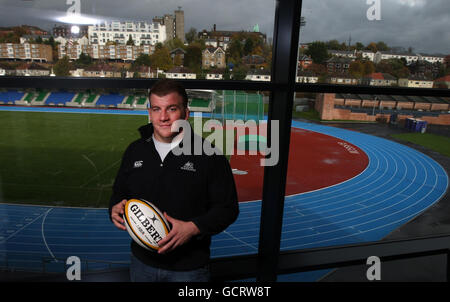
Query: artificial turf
[{"x": 64, "y": 159}]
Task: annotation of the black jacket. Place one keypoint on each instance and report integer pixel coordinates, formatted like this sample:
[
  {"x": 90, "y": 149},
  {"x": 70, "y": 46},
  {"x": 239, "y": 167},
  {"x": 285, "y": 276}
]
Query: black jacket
[{"x": 197, "y": 188}]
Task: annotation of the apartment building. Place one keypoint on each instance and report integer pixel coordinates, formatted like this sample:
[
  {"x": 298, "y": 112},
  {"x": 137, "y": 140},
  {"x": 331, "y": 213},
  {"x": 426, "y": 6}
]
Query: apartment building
[
  {"x": 142, "y": 33},
  {"x": 26, "y": 51},
  {"x": 105, "y": 52}
]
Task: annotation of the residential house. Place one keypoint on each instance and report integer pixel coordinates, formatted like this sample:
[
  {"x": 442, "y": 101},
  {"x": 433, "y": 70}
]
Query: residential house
[
  {"x": 213, "y": 58},
  {"x": 366, "y": 54},
  {"x": 180, "y": 73},
  {"x": 215, "y": 74},
  {"x": 304, "y": 61},
  {"x": 258, "y": 75},
  {"x": 306, "y": 77},
  {"x": 177, "y": 55},
  {"x": 351, "y": 54},
  {"x": 416, "y": 82},
  {"x": 343, "y": 79},
  {"x": 223, "y": 37},
  {"x": 102, "y": 71},
  {"x": 255, "y": 61},
  {"x": 386, "y": 55},
  {"x": 212, "y": 43},
  {"x": 443, "y": 82},
  {"x": 142, "y": 72},
  {"x": 338, "y": 65},
  {"x": 423, "y": 68},
  {"x": 32, "y": 69},
  {"x": 379, "y": 79},
  {"x": 432, "y": 58}
]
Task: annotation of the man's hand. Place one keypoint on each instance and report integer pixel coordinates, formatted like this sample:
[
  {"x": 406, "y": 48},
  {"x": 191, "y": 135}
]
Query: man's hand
[
  {"x": 182, "y": 232},
  {"x": 117, "y": 213}
]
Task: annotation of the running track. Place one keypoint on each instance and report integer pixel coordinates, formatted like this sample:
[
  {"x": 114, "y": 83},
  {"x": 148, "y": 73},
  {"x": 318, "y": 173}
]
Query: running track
[{"x": 398, "y": 184}]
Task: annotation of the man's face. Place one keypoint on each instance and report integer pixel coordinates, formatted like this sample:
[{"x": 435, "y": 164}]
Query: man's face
[{"x": 164, "y": 111}]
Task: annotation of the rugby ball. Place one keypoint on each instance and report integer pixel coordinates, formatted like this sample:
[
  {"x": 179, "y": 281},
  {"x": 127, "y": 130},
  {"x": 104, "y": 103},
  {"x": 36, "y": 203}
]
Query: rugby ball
[{"x": 145, "y": 223}]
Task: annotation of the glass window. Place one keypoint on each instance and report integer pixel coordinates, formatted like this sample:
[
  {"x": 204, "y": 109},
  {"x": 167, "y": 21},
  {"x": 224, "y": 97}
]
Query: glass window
[
  {"x": 60, "y": 152},
  {"x": 247, "y": 31},
  {"x": 379, "y": 39},
  {"x": 354, "y": 173}
]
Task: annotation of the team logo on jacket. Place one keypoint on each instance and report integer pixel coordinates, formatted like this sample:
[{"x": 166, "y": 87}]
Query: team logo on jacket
[
  {"x": 138, "y": 163},
  {"x": 188, "y": 167}
]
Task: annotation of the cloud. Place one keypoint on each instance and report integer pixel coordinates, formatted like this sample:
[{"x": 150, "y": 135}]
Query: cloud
[{"x": 421, "y": 24}]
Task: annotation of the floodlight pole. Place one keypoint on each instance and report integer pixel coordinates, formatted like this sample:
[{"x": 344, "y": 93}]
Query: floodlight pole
[{"x": 284, "y": 65}]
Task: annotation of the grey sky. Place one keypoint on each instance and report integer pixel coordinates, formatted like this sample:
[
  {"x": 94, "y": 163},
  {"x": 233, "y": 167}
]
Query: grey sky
[{"x": 421, "y": 24}]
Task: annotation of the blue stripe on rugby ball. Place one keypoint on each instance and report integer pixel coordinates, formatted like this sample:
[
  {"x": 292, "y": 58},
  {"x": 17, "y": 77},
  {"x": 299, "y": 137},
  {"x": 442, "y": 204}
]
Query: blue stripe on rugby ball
[{"x": 145, "y": 223}]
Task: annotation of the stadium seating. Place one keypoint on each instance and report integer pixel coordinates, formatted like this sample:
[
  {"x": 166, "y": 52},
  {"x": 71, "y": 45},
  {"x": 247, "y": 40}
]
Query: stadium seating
[
  {"x": 109, "y": 100},
  {"x": 10, "y": 96},
  {"x": 59, "y": 98}
]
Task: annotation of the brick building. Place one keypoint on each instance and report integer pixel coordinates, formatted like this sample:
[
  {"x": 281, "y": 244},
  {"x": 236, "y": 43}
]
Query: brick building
[{"x": 332, "y": 106}]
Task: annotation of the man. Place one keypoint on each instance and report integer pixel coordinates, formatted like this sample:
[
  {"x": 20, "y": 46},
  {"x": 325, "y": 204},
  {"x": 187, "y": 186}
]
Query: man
[{"x": 196, "y": 193}]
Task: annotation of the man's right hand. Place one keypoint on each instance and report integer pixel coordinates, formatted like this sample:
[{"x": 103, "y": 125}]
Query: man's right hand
[{"x": 117, "y": 214}]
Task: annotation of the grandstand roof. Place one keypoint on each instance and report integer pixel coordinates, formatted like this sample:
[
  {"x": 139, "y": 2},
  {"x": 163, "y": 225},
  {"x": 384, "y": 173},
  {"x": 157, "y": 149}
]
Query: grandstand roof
[{"x": 396, "y": 98}]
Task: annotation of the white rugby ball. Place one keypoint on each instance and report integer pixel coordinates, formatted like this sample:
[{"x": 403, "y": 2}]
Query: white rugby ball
[{"x": 145, "y": 223}]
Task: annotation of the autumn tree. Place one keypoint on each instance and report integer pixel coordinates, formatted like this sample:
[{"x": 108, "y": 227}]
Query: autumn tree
[
  {"x": 161, "y": 58},
  {"x": 318, "y": 52},
  {"x": 191, "y": 35},
  {"x": 193, "y": 57},
  {"x": 62, "y": 67},
  {"x": 395, "y": 67}
]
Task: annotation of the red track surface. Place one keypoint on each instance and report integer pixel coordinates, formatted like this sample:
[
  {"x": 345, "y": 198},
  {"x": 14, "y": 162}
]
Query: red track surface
[{"x": 315, "y": 161}]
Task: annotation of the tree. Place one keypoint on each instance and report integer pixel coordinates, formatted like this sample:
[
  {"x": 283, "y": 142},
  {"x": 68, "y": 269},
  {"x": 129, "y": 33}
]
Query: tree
[
  {"x": 235, "y": 50},
  {"x": 193, "y": 57},
  {"x": 239, "y": 73},
  {"x": 381, "y": 46},
  {"x": 318, "y": 69},
  {"x": 318, "y": 52},
  {"x": 62, "y": 67},
  {"x": 143, "y": 59},
  {"x": 174, "y": 43},
  {"x": 373, "y": 47},
  {"x": 368, "y": 67},
  {"x": 191, "y": 35},
  {"x": 161, "y": 58},
  {"x": 394, "y": 67},
  {"x": 356, "y": 69},
  {"x": 359, "y": 46},
  {"x": 84, "y": 60},
  {"x": 130, "y": 40},
  {"x": 248, "y": 47}
]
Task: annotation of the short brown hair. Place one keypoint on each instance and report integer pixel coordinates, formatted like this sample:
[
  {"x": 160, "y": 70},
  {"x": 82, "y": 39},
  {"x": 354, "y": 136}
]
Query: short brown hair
[{"x": 167, "y": 86}]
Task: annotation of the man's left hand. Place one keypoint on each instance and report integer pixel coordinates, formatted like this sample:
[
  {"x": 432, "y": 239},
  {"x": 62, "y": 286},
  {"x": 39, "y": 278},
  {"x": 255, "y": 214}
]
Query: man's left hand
[{"x": 182, "y": 232}]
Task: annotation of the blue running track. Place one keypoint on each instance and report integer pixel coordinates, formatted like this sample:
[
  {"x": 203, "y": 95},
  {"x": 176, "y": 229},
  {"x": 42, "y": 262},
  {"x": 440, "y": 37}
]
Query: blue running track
[{"x": 398, "y": 184}]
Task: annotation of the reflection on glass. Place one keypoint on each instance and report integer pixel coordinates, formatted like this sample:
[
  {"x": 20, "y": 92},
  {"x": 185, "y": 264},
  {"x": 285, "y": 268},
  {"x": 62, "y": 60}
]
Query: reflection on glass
[
  {"x": 69, "y": 143},
  {"x": 59, "y": 155},
  {"x": 108, "y": 39},
  {"x": 362, "y": 168},
  {"x": 378, "y": 43}
]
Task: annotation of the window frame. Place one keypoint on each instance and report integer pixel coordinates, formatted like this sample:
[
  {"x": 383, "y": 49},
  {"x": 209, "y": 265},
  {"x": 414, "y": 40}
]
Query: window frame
[{"x": 282, "y": 86}]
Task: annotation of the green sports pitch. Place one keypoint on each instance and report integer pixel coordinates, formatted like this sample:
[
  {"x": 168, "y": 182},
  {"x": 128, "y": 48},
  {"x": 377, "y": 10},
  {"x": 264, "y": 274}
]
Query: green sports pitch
[{"x": 62, "y": 159}]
